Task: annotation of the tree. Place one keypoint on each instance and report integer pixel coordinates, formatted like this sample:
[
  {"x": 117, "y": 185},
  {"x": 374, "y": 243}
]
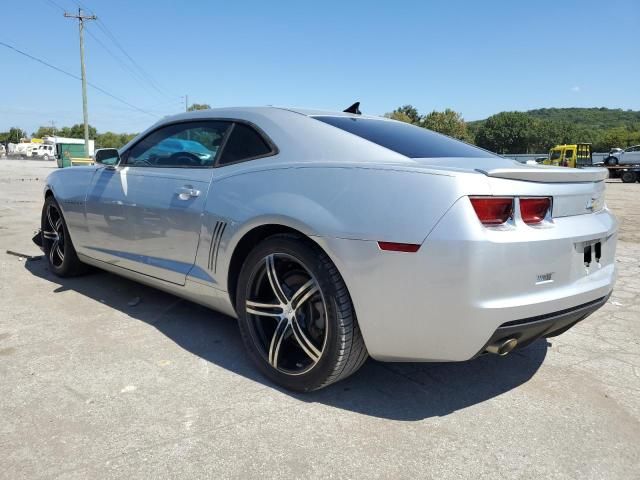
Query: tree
[
  {"x": 406, "y": 113},
  {"x": 448, "y": 123},
  {"x": 108, "y": 140},
  {"x": 76, "y": 131},
  {"x": 544, "y": 134},
  {"x": 113, "y": 140},
  {"x": 13, "y": 135},
  {"x": 506, "y": 132},
  {"x": 44, "y": 132},
  {"x": 620, "y": 137},
  {"x": 198, "y": 106}
]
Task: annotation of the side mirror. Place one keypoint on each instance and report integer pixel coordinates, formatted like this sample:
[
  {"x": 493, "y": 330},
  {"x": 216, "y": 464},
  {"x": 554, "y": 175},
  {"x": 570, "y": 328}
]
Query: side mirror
[{"x": 107, "y": 156}]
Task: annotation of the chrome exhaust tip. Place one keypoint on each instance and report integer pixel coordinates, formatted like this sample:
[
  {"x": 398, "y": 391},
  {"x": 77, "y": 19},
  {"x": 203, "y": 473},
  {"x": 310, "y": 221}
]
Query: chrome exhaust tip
[{"x": 502, "y": 347}]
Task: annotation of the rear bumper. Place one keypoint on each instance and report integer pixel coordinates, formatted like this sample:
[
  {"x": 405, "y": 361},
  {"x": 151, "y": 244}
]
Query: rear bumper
[
  {"x": 528, "y": 330},
  {"x": 466, "y": 282}
]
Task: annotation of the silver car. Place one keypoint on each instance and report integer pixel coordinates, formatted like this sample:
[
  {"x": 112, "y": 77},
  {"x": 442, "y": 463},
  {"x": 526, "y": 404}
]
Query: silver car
[
  {"x": 332, "y": 237},
  {"x": 629, "y": 156}
]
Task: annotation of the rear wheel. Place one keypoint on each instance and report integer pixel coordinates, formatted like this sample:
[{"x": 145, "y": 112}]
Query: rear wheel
[
  {"x": 629, "y": 177},
  {"x": 295, "y": 315},
  {"x": 56, "y": 242}
]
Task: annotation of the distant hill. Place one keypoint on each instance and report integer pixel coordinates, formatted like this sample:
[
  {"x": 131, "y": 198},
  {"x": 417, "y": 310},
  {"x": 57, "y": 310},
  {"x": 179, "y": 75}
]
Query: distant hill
[
  {"x": 537, "y": 130},
  {"x": 592, "y": 118}
]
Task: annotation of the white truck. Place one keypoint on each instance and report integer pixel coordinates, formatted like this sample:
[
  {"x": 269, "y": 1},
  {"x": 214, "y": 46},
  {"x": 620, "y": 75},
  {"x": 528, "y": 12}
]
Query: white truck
[{"x": 45, "y": 151}]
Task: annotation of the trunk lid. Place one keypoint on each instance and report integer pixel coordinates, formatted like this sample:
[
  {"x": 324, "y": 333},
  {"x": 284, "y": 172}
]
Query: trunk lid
[
  {"x": 499, "y": 167},
  {"x": 575, "y": 191}
]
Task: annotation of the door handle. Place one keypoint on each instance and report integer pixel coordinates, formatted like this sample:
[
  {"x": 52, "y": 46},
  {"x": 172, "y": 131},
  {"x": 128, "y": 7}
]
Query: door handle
[{"x": 186, "y": 192}]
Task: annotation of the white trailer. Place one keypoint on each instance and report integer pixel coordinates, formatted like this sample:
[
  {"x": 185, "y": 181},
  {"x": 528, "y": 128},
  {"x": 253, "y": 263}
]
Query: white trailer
[{"x": 23, "y": 149}]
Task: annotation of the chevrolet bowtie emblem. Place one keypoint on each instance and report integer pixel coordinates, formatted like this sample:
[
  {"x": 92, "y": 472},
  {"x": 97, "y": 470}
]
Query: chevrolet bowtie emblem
[{"x": 592, "y": 204}]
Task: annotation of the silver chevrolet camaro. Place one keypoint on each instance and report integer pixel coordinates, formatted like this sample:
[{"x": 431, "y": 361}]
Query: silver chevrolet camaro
[{"x": 335, "y": 236}]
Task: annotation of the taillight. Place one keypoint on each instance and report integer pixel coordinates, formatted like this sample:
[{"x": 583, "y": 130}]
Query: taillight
[
  {"x": 493, "y": 210},
  {"x": 534, "y": 209}
]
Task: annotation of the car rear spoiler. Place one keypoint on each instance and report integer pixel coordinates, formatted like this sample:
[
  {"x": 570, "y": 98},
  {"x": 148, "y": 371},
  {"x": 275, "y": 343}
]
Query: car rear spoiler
[{"x": 548, "y": 174}]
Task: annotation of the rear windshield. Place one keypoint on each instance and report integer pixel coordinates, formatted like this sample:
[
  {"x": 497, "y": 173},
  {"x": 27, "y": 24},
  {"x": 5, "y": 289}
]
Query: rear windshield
[{"x": 405, "y": 139}]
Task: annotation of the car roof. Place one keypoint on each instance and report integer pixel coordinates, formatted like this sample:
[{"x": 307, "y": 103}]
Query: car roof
[
  {"x": 266, "y": 111},
  {"x": 296, "y": 134}
]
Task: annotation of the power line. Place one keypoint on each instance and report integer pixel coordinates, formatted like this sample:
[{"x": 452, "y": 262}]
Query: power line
[
  {"x": 122, "y": 64},
  {"x": 100, "y": 89},
  {"x": 106, "y": 31},
  {"x": 55, "y": 5},
  {"x": 102, "y": 26}
]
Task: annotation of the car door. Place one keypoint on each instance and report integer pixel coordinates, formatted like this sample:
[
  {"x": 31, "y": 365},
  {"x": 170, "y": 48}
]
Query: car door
[
  {"x": 567, "y": 157},
  {"x": 154, "y": 225},
  {"x": 109, "y": 205}
]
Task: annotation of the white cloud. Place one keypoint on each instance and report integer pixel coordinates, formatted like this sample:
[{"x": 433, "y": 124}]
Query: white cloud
[{"x": 575, "y": 89}]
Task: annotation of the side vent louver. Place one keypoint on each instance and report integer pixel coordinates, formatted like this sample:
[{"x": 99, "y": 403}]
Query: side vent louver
[{"x": 218, "y": 230}]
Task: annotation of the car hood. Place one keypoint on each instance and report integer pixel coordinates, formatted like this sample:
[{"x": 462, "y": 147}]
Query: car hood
[{"x": 500, "y": 167}]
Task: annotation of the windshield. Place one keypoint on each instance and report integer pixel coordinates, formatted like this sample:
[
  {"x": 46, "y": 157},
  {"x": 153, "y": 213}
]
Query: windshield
[
  {"x": 555, "y": 154},
  {"x": 405, "y": 139}
]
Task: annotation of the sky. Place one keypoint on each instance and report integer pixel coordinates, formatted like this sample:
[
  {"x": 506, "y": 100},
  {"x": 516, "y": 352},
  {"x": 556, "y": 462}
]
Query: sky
[{"x": 476, "y": 57}]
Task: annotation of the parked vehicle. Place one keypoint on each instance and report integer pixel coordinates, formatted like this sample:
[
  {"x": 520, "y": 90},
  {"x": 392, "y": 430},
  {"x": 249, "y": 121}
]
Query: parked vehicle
[
  {"x": 627, "y": 173},
  {"x": 24, "y": 149},
  {"x": 55, "y": 141},
  {"x": 333, "y": 236},
  {"x": 575, "y": 155},
  {"x": 45, "y": 151},
  {"x": 629, "y": 156},
  {"x": 3, "y": 151}
]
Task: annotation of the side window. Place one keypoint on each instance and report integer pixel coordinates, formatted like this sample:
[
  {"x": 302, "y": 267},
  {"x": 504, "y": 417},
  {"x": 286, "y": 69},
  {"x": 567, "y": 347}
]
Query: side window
[
  {"x": 244, "y": 143},
  {"x": 568, "y": 153},
  {"x": 182, "y": 145}
]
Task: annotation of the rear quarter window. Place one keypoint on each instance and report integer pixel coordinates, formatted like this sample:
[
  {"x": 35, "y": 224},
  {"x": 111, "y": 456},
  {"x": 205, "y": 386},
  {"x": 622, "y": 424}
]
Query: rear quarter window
[
  {"x": 244, "y": 143},
  {"x": 405, "y": 139}
]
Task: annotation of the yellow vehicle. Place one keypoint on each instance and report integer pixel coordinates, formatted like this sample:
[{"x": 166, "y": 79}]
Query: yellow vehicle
[{"x": 576, "y": 155}]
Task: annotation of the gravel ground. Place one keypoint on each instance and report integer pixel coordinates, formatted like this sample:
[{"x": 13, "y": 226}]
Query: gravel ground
[{"x": 93, "y": 387}]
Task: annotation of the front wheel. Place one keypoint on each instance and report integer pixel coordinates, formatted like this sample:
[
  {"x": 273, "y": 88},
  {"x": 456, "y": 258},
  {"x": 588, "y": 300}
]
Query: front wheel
[
  {"x": 56, "y": 242},
  {"x": 295, "y": 315},
  {"x": 611, "y": 161}
]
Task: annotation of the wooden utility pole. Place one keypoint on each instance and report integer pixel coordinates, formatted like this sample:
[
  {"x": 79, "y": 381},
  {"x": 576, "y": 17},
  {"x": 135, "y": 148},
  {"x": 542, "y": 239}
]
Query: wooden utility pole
[{"x": 81, "y": 19}]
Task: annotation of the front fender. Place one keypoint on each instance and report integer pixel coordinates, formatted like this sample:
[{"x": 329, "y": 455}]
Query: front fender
[{"x": 69, "y": 187}]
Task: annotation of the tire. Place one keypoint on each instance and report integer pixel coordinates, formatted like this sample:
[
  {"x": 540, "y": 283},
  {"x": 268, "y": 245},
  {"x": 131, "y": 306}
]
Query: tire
[
  {"x": 310, "y": 338},
  {"x": 45, "y": 157},
  {"x": 629, "y": 177},
  {"x": 611, "y": 161},
  {"x": 56, "y": 242}
]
